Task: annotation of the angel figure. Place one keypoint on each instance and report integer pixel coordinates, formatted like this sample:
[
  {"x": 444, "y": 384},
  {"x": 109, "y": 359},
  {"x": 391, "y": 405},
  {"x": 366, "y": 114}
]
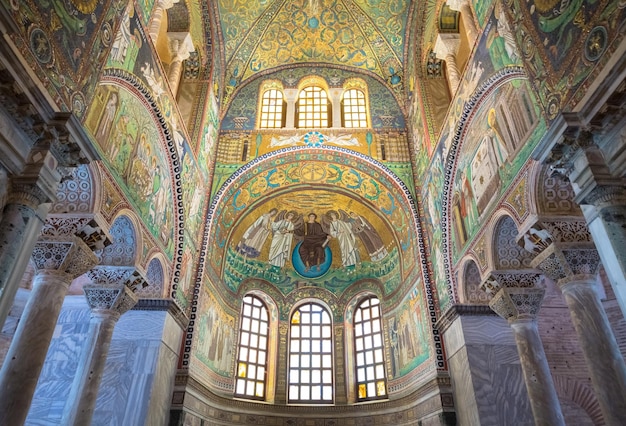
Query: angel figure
[
  {"x": 282, "y": 236},
  {"x": 339, "y": 227}
]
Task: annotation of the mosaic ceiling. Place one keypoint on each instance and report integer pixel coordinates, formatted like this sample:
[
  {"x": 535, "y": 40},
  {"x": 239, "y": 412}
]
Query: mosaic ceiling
[{"x": 368, "y": 35}]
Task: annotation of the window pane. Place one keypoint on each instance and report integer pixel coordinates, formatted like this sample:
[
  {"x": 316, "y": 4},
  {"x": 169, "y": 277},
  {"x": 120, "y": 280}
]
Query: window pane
[
  {"x": 272, "y": 109},
  {"x": 369, "y": 356},
  {"x": 308, "y": 368},
  {"x": 252, "y": 356},
  {"x": 312, "y": 107},
  {"x": 354, "y": 112}
]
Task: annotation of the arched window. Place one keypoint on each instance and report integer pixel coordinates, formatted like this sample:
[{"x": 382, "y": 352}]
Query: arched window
[
  {"x": 272, "y": 111},
  {"x": 253, "y": 344},
  {"x": 310, "y": 355},
  {"x": 313, "y": 108},
  {"x": 353, "y": 109},
  {"x": 371, "y": 380}
]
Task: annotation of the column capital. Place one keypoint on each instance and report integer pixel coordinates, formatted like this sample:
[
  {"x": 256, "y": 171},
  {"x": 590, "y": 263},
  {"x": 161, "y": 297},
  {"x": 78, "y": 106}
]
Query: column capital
[
  {"x": 113, "y": 299},
  {"x": 165, "y": 4},
  {"x": 565, "y": 262},
  {"x": 447, "y": 44},
  {"x": 64, "y": 254},
  {"x": 27, "y": 193},
  {"x": 517, "y": 304},
  {"x": 85, "y": 227},
  {"x": 290, "y": 94}
]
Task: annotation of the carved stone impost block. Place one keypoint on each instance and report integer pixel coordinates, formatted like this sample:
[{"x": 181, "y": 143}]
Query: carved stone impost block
[
  {"x": 514, "y": 304},
  {"x": 86, "y": 227},
  {"x": 447, "y": 45},
  {"x": 180, "y": 45},
  {"x": 498, "y": 280},
  {"x": 66, "y": 254},
  {"x": 564, "y": 262},
  {"x": 118, "y": 299}
]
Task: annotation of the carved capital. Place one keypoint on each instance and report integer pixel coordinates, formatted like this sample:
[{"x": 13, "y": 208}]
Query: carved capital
[
  {"x": 27, "y": 194},
  {"x": 562, "y": 230},
  {"x": 67, "y": 254},
  {"x": 498, "y": 280},
  {"x": 456, "y": 5},
  {"x": 117, "y": 299},
  {"x": 606, "y": 195},
  {"x": 447, "y": 45},
  {"x": 564, "y": 262},
  {"x": 562, "y": 157},
  {"x": 514, "y": 304}
]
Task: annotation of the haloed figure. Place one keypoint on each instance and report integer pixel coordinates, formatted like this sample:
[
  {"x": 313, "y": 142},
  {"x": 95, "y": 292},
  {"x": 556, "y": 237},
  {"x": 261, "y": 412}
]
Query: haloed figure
[{"x": 315, "y": 239}]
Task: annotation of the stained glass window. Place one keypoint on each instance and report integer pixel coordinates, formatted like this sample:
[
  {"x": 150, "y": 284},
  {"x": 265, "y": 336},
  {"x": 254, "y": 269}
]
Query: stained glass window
[
  {"x": 371, "y": 379},
  {"x": 252, "y": 358},
  {"x": 310, "y": 355}
]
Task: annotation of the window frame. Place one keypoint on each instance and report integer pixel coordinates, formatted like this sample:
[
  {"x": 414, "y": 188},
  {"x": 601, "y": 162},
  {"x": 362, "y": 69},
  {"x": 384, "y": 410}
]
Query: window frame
[
  {"x": 378, "y": 363},
  {"x": 256, "y": 302},
  {"x": 326, "y": 367},
  {"x": 325, "y": 108},
  {"x": 359, "y": 103},
  {"x": 279, "y": 109}
]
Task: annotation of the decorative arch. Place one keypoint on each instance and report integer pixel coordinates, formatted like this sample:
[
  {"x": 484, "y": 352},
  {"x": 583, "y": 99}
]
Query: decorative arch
[
  {"x": 470, "y": 109},
  {"x": 156, "y": 277},
  {"x": 135, "y": 86},
  {"x": 507, "y": 253},
  {"x": 123, "y": 250},
  {"x": 78, "y": 192},
  {"x": 469, "y": 281}
]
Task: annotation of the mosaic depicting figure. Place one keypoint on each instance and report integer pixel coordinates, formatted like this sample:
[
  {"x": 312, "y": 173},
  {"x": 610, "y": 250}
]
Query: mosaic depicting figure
[
  {"x": 315, "y": 238},
  {"x": 282, "y": 236},
  {"x": 253, "y": 239},
  {"x": 341, "y": 229},
  {"x": 369, "y": 237}
]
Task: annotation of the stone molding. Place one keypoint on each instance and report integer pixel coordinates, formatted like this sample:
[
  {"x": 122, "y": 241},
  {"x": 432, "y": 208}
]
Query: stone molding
[
  {"x": 69, "y": 255},
  {"x": 456, "y": 311},
  {"x": 563, "y": 262},
  {"x": 167, "y": 305}
]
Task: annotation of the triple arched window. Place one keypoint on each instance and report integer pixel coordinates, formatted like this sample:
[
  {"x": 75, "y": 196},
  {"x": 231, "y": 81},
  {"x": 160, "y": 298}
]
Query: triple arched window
[
  {"x": 313, "y": 105},
  {"x": 310, "y": 352}
]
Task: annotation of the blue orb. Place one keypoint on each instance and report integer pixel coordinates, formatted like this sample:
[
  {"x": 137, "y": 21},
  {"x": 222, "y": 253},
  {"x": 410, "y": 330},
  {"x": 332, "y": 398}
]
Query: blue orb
[
  {"x": 314, "y": 22},
  {"x": 395, "y": 79},
  {"x": 315, "y": 271}
]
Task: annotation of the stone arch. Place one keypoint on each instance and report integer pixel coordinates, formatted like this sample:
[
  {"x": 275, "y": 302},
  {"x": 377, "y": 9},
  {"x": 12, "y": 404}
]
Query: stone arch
[
  {"x": 470, "y": 109},
  {"x": 469, "y": 281},
  {"x": 156, "y": 277},
  {"x": 507, "y": 254},
  {"x": 123, "y": 248},
  {"x": 579, "y": 395},
  {"x": 78, "y": 192}
]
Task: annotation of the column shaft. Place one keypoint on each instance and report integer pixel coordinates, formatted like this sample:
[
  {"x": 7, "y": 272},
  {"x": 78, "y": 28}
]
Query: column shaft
[
  {"x": 454, "y": 76},
  {"x": 84, "y": 392},
  {"x": 19, "y": 230},
  {"x": 22, "y": 366},
  {"x": 176, "y": 67},
  {"x": 155, "y": 22},
  {"x": 604, "y": 360},
  {"x": 606, "y": 224},
  {"x": 541, "y": 392},
  {"x": 468, "y": 20},
  {"x": 291, "y": 97}
]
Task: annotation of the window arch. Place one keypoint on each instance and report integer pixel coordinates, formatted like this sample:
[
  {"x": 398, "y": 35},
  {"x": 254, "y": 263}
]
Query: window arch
[
  {"x": 272, "y": 109},
  {"x": 310, "y": 355},
  {"x": 251, "y": 381},
  {"x": 313, "y": 108},
  {"x": 353, "y": 110},
  {"x": 371, "y": 382}
]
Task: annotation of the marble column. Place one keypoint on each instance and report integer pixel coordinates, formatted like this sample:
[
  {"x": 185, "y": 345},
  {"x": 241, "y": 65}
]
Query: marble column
[
  {"x": 573, "y": 267},
  {"x": 465, "y": 8},
  {"x": 520, "y": 306},
  {"x": 160, "y": 6},
  {"x": 446, "y": 48},
  {"x": 58, "y": 261},
  {"x": 21, "y": 223},
  {"x": 291, "y": 97},
  {"x": 181, "y": 46},
  {"x": 111, "y": 295},
  {"x": 335, "y": 97}
]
